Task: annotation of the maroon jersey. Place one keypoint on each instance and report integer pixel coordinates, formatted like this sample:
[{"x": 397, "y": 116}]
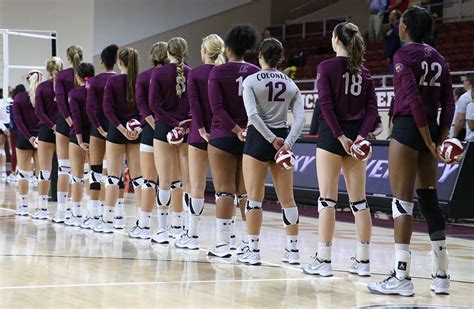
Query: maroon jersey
[
  {"x": 225, "y": 97},
  {"x": 64, "y": 83},
  {"x": 46, "y": 107},
  {"x": 199, "y": 101},
  {"x": 116, "y": 107},
  {"x": 422, "y": 83},
  {"x": 95, "y": 97},
  {"x": 24, "y": 115},
  {"x": 141, "y": 93},
  {"x": 77, "y": 106},
  {"x": 164, "y": 102},
  {"x": 345, "y": 97}
]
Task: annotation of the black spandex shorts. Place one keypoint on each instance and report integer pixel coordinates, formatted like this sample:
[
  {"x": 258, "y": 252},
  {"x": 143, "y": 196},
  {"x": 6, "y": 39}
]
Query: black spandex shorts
[
  {"x": 114, "y": 135},
  {"x": 406, "y": 132},
  {"x": 328, "y": 142},
  {"x": 258, "y": 147},
  {"x": 147, "y": 135},
  {"x": 62, "y": 126},
  {"x": 229, "y": 144},
  {"x": 46, "y": 134},
  {"x": 104, "y": 123},
  {"x": 161, "y": 129},
  {"x": 86, "y": 136},
  {"x": 22, "y": 143},
  {"x": 202, "y": 145}
]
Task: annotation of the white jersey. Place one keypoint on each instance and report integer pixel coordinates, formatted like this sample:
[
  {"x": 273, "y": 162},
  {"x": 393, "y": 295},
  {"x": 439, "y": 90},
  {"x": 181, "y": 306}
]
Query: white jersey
[
  {"x": 268, "y": 94},
  {"x": 469, "y": 116},
  {"x": 5, "y": 109}
]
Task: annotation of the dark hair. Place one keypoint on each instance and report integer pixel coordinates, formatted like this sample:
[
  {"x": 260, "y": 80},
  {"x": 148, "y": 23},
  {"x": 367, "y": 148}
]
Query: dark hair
[
  {"x": 459, "y": 91},
  {"x": 397, "y": 14},
  {"x": 419, "y": 23},
  {"x": 109, "y": 56},
  {"x": 85, "y": 70},
  {"x": 129, "y": 58},
  {"x": 272, "y": 52},
  {"x": 352, "y": 39},
  {"x": 240, "y": 39},
  {"x": 18, "y": 89},
  {"x": 470, "y": 78}
]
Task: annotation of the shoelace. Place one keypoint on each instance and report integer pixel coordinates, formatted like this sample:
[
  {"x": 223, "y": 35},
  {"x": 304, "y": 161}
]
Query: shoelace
[{"x": 391, "y": 275}]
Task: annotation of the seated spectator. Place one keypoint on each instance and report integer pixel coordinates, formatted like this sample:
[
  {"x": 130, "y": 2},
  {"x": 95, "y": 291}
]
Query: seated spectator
[
  {"x": 461, "y": 105},
  {"x": 298, "y": 60},
  {"x": 392, "y": 38}
]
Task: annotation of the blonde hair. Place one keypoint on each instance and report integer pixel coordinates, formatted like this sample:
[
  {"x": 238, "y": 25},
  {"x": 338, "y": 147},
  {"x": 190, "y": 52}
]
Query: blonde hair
[
  {"x": 214, "y": 46},
  {"x": 178, "y": 48},
  {"x": 34, "y": 79},
  {"x": 53, "y": 66},
  {"x": 74, "y": 53},
  {"x": 159, "y": 53},
  {"x": 129, "y": 58}
]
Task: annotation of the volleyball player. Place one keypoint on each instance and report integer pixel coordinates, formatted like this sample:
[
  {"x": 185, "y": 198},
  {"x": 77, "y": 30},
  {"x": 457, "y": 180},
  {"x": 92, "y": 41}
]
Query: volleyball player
[
  {"x": 422, "y": 85},
  {"x": 169, "y": 104},
  {"x": 80, "y": 136},
  {"x": 349, "y": 111},
  {"x": 47, "y": 112},
  {"x": 268, "y": 95},
  {"x": 226, "y": 137},
  {"x": 159, "y": 57},
  {"x": 98, "y": 134},
  {"x": 26, "y": 143},
  {"x": 64, "y": 82},
  {"x": 212, "y": 54},
  {"x": 120, "y": 107}
]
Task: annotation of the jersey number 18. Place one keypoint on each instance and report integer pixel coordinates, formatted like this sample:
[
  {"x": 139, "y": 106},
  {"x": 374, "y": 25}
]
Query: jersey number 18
[{"x": 352, "y": 85}]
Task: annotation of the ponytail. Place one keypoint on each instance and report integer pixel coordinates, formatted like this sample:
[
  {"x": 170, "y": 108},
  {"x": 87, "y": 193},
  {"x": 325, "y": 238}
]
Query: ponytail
[
  {"x": 178, "y": 48},
  {"x": 74, "y": 53},
  {"x": 33, "y": 78},
  {"x": 129, "y": 58},
  {"x": 53, "y": 66},
  {"x": 214, "y": 46},
  {"x": 350, "y": 36}
]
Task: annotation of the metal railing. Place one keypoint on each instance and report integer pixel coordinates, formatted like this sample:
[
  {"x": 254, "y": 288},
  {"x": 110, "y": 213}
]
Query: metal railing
[
  {"x": 304, "y": 32},
  {"x": 462, "y": 14},
  {"x": 310, "y": 5}
]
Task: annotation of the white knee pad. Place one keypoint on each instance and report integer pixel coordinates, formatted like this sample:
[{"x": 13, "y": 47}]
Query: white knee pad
[
  {"x": 87, "y": 168},
  {"x": 112, "y": 181},
  {"x": 64, "y": 167},
  {"x": 252, "y": 205},
  {"x": 219, "y": 195},
  {"x": 359, "y": 206},
  {"x": 148, "y": 184},
  {"x": 239, "y": 198},
  {"x": 186, "y": 201},
  {"x": 95, "y": 177},
  {"x": 325, "y": 203},
  {"x": 291, "y": 216},
  {"x": 137, "y": 182},
  {"x": 44, "y": 175},
  {"x": 77, "y": 179},
  {"x": 163, "y": 198},
  {"x": 24, "y": 175},
  {"x": 401, "y": 208},
  {"x": 196, "y": 206},
  {"x": 146, "y": 148},
  {"x": 176, "y": 185}
]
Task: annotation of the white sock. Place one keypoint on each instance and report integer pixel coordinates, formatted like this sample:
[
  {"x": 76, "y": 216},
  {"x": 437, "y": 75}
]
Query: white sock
[
  {"x": 439, "y": 257},
  {"x": 245, "y": 237},
  {"x": 402, "y": 260},
  {"x": 144, "y": 219},
  {"x": 23, "y": 200},
  {"x": 101, "y": 208},
  {"x": 223, "y": 230},
  {"x": 176, "y": 219},
  {"x": 253, "y": 242},
  {"x": 92, "y": 207},
  {"x": 292, "y": 242},
  {"x": 186, "y": 214},
  {"x": 324, "y": 251},
  {"x": 108, "y": 215},
  {"x": 233, "y": 226},
  {"x": 62, "y": 201},
  {"x": 68, "y": 204},
  {"x": 119, "y": 208},
  {"x": 193, "y": 224},
  {"x": 363, "y": 251},
  {"x": 76, "y": 209},
  {"x": 43, "y": 202},
  {"x": 162, "y": 219}
]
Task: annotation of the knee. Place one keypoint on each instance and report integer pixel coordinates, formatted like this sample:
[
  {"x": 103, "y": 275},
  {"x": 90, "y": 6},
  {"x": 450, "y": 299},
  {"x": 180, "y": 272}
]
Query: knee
[
  {"x": 358, "y": 207},
  {"x": 326, "y": 204},
  {"x": 291, "y": 215}
]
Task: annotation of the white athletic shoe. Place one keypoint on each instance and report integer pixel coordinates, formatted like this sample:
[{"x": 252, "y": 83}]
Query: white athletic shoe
[
  {"x": 244, "y": 247},
  {"x": 175, "y": 232},
  {"x": 251, "y": 257},
  {"x": 40, "y": 214},
  {"x": 221, "y": 250},
  {"x": 138, "y": 232},
  {"x": 22, "y": 211},
  {"x": 119, "y": 223},
  {"x": 317, "y": 267},
  {"x": 73, "y": 221},
  {"x": 393, "y": 286},
  {"x": 90, "y": 223},
  {"x": 291, "y": 257},
  {"x": 3, "y": 176},
  {"x": 104, "y": 227},
  {"x": 187, "y": 242},
  {"x": 440, "y": 284},
  {"x": 68, "y": 213},
  {"x": 59, "y": 217},
  {"x": 233, "y": 242},
  {"x": 360, "y": 268},
  {"x": 160, "y": 237}
]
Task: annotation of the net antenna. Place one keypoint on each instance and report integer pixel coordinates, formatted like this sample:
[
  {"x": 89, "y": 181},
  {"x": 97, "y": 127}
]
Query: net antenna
[{"x": 34, "y": 34}]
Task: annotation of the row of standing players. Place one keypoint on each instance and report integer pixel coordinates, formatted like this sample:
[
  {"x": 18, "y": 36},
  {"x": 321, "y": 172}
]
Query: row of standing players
[{"x": 223, "y": 99}]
